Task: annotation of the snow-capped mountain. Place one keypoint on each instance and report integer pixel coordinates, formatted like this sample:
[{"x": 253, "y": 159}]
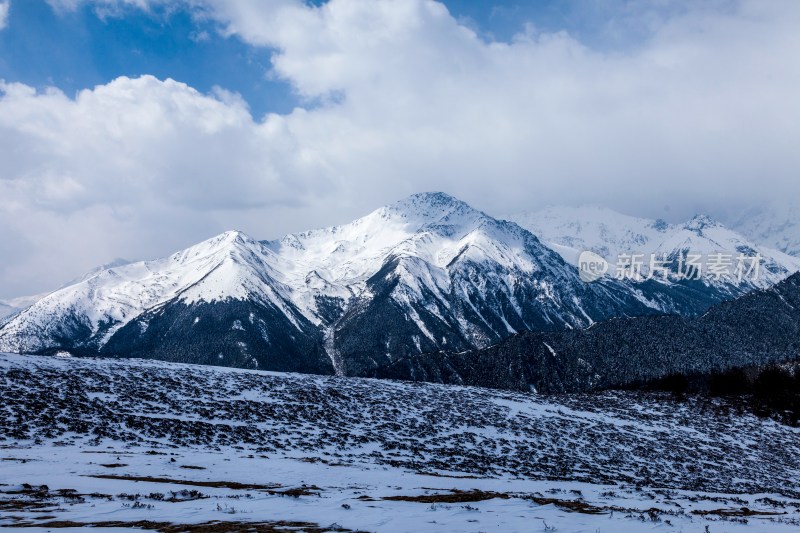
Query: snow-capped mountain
[
  {"x": 571, "y": 230},
  {"x": 776, "y": 225},
  {"x": 157, "y": 307},
  {"x": 423, "y": 274},
  {"x": 431, "y": 271}
]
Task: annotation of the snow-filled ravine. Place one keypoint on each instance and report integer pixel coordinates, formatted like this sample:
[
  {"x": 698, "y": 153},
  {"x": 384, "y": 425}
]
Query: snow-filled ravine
[{"x": 150, "y": 445}]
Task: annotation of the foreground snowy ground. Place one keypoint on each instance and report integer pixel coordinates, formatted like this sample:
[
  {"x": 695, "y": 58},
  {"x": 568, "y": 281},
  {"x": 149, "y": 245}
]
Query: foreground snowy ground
[{"x": 142, "y": 444}]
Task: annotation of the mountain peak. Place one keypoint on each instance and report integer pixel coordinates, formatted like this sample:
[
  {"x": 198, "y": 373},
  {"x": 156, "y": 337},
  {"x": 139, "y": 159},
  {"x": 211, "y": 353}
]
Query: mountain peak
[
  {"x": 234, "y": 235},
  {"x": 437, "y": 200},
  {"x": 436, "y": 197},
  {"x": 430, "y": 206},
  {"x": 228, "y": 239},
  {"x": 700, "y": 222},
  {"x": 232, "y": 243}
]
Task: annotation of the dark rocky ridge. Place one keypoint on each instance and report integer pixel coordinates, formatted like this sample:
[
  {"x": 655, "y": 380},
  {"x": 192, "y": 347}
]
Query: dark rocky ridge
[
  {"x": 231, "y": 333},
  {"x": 758, "y": 328}
]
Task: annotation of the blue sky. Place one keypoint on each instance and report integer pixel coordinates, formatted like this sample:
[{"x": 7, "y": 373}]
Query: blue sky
[
  {"x": 81, "y": 48},
  {"x": 78, "y": 49}
]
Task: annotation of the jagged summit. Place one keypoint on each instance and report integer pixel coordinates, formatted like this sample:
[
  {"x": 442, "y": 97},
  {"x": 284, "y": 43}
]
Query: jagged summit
[
  {"x": 430, "y": 207},
  {"x": 224, "y": 241},
  {"x": 427, "y": 225},
  {"x": 422, "y": 240},
  {"x": 435, "y": 199},
  {"x": 700, "y": 222}
]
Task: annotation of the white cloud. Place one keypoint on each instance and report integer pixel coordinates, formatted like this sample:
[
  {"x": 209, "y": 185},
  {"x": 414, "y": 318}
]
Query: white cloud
[
  {"x": 109, "y": 7},
  {"x": 138, "y": 139},
  {"x": 701, "y": 115},
  {"x": 698, "y": 115},
  {"x": 4, "y": 7},
  {"x": 133, "y": 162}
]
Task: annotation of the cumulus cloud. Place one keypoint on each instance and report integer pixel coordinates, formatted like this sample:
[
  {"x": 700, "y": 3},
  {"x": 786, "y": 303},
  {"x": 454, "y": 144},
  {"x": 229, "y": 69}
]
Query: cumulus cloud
[
  {"x": 701, "y": 110},
  {"x": 131, "y": 162},
  {"x": 400, "y": 97},
  {"x": 159, "y": 141}
]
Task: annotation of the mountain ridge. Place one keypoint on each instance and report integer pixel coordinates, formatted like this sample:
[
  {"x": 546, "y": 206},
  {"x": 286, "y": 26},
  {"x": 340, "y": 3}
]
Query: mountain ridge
[
  {"x": 571, "y": 230},
  {"x": 424, "y": 274}
]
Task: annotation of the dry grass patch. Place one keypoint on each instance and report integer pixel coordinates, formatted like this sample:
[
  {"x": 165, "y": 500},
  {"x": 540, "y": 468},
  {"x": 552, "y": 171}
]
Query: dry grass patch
[
  {"x": 212, "y": 484},
  {"x": 455, "y": 496}
]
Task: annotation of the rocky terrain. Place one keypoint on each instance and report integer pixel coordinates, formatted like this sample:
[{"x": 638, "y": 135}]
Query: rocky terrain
[{"x": 157, "y": 445}]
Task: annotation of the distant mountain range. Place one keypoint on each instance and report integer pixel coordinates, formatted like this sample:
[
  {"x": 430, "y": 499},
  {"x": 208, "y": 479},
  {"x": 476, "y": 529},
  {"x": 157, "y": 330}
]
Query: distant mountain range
[
  {"x": 15, "y": 305},
  {"x": 571, "y": 230},
  {"x": 425, "y": 274},
  {"x": 776, "y": 225}
]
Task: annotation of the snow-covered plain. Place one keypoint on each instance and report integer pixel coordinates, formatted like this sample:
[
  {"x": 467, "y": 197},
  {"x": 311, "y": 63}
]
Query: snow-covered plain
[{"x": 132, "y": 443}]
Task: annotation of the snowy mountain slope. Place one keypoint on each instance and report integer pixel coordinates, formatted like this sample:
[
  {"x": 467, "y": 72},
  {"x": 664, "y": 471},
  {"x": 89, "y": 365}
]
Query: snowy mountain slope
[
  {"x": 154, "y": 445},
  {"x": 429, "y": 229},
  {"x": 776, "y": 225},
  {"x": 15, "y": 305},
  {"x": 706, "y": 236},
  {"x": 199, "y": 281},
  {"x": 431, "y": 271},
  {"x": 7, "y": 310},
  {"x": 571, "y": 230}
]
